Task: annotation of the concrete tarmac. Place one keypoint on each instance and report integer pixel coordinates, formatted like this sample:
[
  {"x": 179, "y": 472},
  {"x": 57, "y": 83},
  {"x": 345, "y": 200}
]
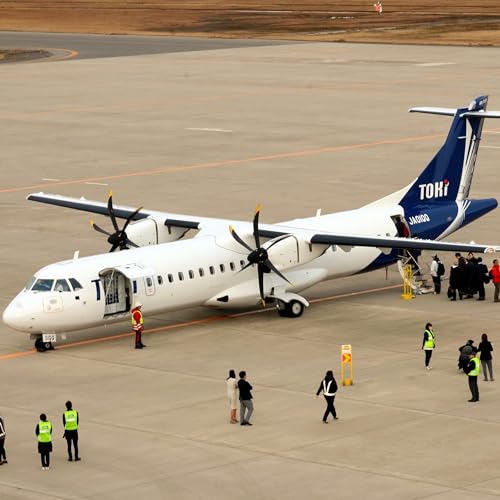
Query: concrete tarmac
[{"x": 295, "y": 127}]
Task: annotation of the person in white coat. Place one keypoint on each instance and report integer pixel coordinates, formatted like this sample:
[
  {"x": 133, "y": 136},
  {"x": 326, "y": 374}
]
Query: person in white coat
[{"x": 232, "y": 388}]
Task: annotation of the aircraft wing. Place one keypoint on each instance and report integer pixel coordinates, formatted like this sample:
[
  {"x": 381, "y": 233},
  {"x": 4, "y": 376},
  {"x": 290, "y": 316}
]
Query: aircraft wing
[
  {"x": 121, "y": 212},
  {"x": 265, "y": 230}
]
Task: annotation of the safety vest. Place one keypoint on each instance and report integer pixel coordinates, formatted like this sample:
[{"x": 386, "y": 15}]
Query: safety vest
[
  {"x": 326, "y": 388},
  {"x": 71, "y": 420},
  {"x": 44, "y": 429},
  {"x": 475, "y": 371},
  {"x": 137, "y": 325},
  {"x": 429, "y": 343}
]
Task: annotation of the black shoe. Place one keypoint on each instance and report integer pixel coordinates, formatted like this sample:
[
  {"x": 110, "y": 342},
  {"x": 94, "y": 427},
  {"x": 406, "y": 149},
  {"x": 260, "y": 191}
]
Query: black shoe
[
  {"x": 335, "y": 418},
  {"x": 248, "y": 423},
  {"x": 244, "y": 423},
  {"x": 480, "y": 298},
  {"x": 325, "y": 422},
  {"x": 77, "y": 459},
  {"x": 142, "y": 345},
  {"x": 473, "y": 400},
  {"x": 70, "y": 459},
  {"x": 138, "y": 346}
]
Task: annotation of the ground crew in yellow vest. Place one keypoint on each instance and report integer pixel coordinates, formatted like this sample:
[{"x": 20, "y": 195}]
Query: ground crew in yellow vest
[
  {"x": 472, "y": 370},
  {"x": 428, "y": 344},
  {"x": 44, "y": 432},
  {"x": 71, "y": 420},
  {"x": 138, "y": 325}
]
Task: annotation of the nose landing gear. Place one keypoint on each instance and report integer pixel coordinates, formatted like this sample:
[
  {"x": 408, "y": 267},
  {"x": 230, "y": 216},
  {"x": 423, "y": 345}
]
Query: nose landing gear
[{"x": 42, "y": 346}]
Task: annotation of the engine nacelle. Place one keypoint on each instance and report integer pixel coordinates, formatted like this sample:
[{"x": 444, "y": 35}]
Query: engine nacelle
[
  {"x": 289, "y": 251},
  {"x": 149, "y": 231}
]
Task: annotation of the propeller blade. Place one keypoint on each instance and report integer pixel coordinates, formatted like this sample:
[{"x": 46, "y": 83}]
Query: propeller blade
[
  {"x": 113, "y": 248},
  {"x": 98, "y": 229},
  {"x": 271, "y": 266},
  {"x": 112, "y": 212},
  {"x": 244, "y": 267},
  {"x": 261, "y": 284},
  {"x": 131, "y": 217},
  {"x": 256, "y": 226},
  {"x": 277, "y": 240},
  {"x": 238, "y": 239},
  {"x": 132, "y": 244}
]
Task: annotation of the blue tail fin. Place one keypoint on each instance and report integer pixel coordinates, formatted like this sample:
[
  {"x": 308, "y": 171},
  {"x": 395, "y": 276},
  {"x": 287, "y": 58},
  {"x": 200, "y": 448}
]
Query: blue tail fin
[{"x": 449, "y": 174}]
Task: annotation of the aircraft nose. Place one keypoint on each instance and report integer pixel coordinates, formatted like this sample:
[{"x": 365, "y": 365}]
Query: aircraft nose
[{"x": 15, "y": 316}]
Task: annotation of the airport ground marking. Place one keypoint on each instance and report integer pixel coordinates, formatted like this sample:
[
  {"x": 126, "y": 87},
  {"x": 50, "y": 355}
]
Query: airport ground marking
[{"x": 202, "y": 321}]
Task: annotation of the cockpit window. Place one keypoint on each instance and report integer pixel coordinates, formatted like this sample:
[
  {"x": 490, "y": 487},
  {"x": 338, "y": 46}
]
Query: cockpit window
[
  {"x": 61, "y": 286},
  {"x": 30, "y": 283},
  {"x": 42, "y": 286},
  {"x": 75, "y": 284}
]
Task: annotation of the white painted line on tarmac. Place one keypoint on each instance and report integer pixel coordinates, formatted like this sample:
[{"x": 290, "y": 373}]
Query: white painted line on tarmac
[
  {"x": 51, "y": 180},
  {"x": 96, "y": 184},
  {"x": 435, "y": 64},
  {"x": 198, "y": 129}
]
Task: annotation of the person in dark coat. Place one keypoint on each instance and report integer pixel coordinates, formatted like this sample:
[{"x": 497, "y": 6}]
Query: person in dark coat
[
  {"x": 465, "y": 351},
  {"x": 329, "y": 388},
  {"x": 481, "y": 277},
  {"x": 246, "y": 403},
  {"x": 3, "y": 456},
  {"x": 486, "y": 348},
  {"x": 462, "y": 283},
  {"x": 454, "y": 282}
]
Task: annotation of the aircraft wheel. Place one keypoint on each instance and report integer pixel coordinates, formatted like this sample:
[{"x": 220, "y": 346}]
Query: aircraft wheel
[
  {"x": 39, "y": 345},
  {"x": 49, "y": 346},
  {"x": 295, "y": 308},
  {"x": 282, "y": 308}
]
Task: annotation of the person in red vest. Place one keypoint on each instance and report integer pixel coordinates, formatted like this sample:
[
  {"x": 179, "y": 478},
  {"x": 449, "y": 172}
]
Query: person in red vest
[
  {"x": 138, "y": 325},
  {"x": 495, "y": 276}
]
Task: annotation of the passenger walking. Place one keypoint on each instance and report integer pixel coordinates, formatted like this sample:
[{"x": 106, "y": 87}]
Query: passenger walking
[
  {"x": 232, "y": 389},
  {"x": 472, "y": 371},
  {"x": 436, "y": 273},
  {"x": 481, "y": 278},
  {"x": 246, "y": 403},
  {"x": 44, "y": 432},
  {"x": 138, "y": 324},
  {"x": 3, "y": 456},
  {"x": 329, "y": 387},
  {"x": 71, "y": 420},
  {"x": 486, "y": 348},
  {"x": 428, "y": 344},
  {"x": 495, "y": 276}
]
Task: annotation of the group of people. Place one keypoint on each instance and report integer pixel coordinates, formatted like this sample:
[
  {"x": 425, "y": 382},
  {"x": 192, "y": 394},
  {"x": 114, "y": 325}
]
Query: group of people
[
  {"x": 244, "y": 388},
  {"x": 467, "y": 360},
  {"x": 328, "y": 386},
  {"x": 468, "y": 275},
  {"x": 43, "y": 432}
]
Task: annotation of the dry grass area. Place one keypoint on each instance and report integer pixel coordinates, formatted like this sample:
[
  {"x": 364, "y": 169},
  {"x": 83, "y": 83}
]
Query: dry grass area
[{"x": 475, "y": 22}]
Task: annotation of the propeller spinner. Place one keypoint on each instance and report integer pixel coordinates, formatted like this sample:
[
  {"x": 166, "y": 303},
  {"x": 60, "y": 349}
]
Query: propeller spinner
[
  {"x": 259, "y": 255},
  {"x": 119, "y": 238}
]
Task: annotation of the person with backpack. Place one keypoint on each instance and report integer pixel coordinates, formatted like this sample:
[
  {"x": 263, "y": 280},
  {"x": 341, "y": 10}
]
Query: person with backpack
[{"x": 437, "y": 270}]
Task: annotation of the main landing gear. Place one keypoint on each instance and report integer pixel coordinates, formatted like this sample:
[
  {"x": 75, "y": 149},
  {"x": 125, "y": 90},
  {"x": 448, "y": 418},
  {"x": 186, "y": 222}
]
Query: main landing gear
[
  {"x": 42, "y": 346},
  {"x": 292, "y": 309}
]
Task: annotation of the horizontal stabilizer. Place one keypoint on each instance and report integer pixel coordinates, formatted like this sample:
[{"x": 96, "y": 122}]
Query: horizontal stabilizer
[{"x": 434, "y": 111}]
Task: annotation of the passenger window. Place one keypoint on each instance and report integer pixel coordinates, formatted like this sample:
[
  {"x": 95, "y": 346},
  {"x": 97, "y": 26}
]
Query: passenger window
[
  {"x": 191, "y": 274},
  {"x": 170, "y": 278},
  {"x": 212, "y": 270},
  {"x": 149, "y": 282},
  {"x": 75, "y": 284},
  {"x": 61, "y": 286},
  {"x": 43, "y": 286},
  {"x": 222, "y": 268},
  {"x": 181, "y": 276},
  {"x": 232, "y": 266},
  {"x": 201, "y": 272},
  {"x": 160, "y": 280}
]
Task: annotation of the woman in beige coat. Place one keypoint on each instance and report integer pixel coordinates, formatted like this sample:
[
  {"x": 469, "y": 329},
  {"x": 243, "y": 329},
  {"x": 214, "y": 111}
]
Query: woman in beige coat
[{"x": 232, "y": 388}]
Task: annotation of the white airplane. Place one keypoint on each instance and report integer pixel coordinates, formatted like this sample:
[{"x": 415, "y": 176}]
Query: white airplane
[{"x": 234, "y": 264}]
